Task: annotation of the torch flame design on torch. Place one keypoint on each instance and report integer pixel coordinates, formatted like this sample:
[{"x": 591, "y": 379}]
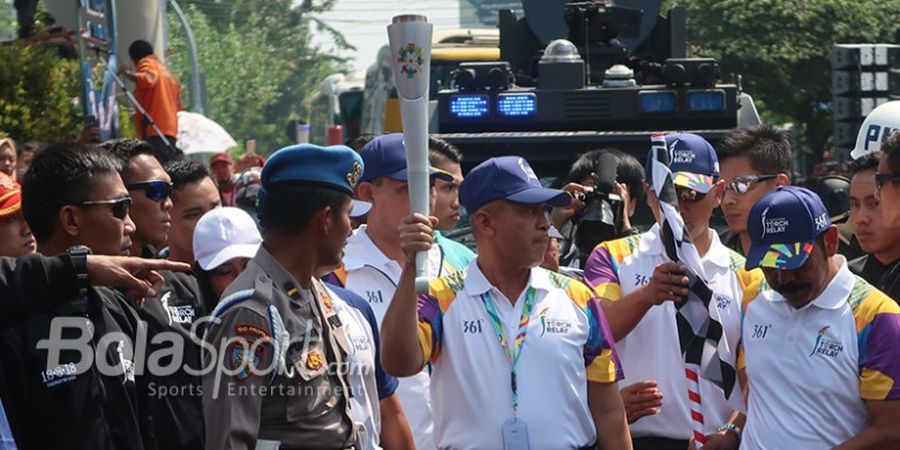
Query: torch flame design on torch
[{"x": 410, "y": 42}]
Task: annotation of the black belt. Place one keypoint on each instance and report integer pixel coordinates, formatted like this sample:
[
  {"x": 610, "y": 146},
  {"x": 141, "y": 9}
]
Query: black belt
[{"x": 659, "y": 443}]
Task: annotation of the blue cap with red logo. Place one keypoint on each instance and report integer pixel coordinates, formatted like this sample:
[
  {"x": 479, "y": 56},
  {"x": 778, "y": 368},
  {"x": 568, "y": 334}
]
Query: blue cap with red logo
[
  {"x": 694, "y": 163},
  {"x": 507, "y": 178},
  {"x": 385, "y": 156},
  {"x": 783, "y": 227}
]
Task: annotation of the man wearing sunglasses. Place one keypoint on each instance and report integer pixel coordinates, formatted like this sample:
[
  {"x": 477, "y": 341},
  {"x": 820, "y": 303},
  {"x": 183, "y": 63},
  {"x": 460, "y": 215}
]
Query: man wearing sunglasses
[
  {"x": 639, "y": 286},
  {"x": 754, "y": 160},
  {"x": 177, "y": 418},
  {"x": 887, "y": 192},
  {"x": 74, "y": 201}
]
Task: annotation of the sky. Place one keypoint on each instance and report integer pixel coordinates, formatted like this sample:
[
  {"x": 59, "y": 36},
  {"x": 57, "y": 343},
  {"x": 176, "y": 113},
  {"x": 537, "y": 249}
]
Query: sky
[{"x": 364, "y": 23}]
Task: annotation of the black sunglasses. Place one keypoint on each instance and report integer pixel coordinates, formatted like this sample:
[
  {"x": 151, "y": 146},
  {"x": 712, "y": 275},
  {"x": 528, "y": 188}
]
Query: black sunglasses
[
  {"x": 120, "y": 206},
  {"x": 155, "y": 190},
  {"x": 881, "y": 178},
  {"x": 686, "y": 195}
]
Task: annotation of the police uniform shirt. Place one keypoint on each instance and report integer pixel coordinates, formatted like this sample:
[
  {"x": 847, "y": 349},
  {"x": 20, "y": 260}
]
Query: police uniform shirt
[
  {"x": 567, "y": 344},
  {"x": 369, "y": 382},
  {"x": 651, "y": 350},
  {"x": 61, "y": 407},
  {"x": 811, "y": 369},
  {"x": 292, "y": 388},
  {"x": 174, "y": 395},
  {"x": 374, "y": 276}
]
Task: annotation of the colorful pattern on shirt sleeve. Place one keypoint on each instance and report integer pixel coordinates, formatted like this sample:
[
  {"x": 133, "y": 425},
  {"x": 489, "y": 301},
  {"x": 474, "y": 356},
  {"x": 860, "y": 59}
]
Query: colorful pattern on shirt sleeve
[
  {"x": 878, "y": 332},
  {"x": 431, "y": 309},
  {"x": 600, "y": 357},
  {"x": 601, "y": 271}
]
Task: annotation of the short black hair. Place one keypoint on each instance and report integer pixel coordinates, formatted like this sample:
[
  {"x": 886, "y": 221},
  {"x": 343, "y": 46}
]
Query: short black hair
[
  {"x": 30, "y": 146},
  {"x": 185, "y": 171},
  {"x": 290, "y": 207},
  {"x": 125, "y": 149},
  {"x": 360, "y": 141},
  {"x": 59, "y": 176},
  {"x": 767, "y": 148},
  {"x": 440, "y": 150},
  {"x": 628, "y": 170},
  {"x": 868, "y": 162},
  {"x": 139, "y": 49},
  {"x": 891, "y": 147}
]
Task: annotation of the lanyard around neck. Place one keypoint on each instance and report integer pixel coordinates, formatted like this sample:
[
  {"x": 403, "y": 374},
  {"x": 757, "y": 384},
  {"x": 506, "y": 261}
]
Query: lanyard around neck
[{"x": 512, "y": 354}]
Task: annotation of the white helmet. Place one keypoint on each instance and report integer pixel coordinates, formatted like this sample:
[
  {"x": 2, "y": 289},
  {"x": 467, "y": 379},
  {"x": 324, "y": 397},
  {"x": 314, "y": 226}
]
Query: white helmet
[{"x": 879, "y": 123}]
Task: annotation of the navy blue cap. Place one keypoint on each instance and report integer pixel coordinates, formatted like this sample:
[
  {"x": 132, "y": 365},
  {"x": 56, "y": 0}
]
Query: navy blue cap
[
  {"x": 385, "y": 156},
  {"x": 783, "y": 227},
  {"x": 508, "y": 178},
  {"x": 694, "y": 163}
]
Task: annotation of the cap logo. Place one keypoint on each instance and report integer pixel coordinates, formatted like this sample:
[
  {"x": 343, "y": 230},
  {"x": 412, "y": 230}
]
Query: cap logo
[
  {"x": 356, "y": 171},
  {"x": 773, "y": 226},
  {"x": 527, "y": 169},
  {"x": 683, "y": 156},
  {"x": 821, "y": 221}
]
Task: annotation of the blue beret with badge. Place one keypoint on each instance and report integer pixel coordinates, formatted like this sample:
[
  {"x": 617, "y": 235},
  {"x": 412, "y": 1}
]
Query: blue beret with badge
[{"x": 337, "y": 166}]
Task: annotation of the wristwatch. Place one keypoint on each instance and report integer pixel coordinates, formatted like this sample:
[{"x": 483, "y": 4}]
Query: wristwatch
[
  {"x": 79, "y": 254},
  {"x": 732, "y": 428}
]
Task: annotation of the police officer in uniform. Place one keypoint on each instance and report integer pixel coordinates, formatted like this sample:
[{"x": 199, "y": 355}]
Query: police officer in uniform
[{"x": 278, "y": 348}]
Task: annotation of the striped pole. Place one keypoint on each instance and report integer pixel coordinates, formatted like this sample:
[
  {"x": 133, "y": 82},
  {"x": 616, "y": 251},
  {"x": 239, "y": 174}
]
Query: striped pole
[{"x": 696, "y": 403}]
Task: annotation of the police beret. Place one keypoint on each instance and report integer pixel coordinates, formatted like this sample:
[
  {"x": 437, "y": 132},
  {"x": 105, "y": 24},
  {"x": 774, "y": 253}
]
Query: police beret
[{"x": 336, "y": 166}]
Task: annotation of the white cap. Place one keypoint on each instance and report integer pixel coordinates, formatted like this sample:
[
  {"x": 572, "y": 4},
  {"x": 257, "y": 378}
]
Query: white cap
[
  {"x": 360, "y": 208},
  {"x": 878, "y": 124},
  {"x": 223, "y": 234}
]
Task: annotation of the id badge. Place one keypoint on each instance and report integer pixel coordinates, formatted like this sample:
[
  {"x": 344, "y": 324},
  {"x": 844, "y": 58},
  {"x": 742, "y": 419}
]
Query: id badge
[{"x": 515, "y": 434}]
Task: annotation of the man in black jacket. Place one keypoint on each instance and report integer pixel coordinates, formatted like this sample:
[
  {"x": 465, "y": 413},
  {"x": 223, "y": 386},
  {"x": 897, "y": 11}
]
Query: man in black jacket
[
  {"x": 69, "y": 373},
  {"x": 878, "y": 239},
  {"x": 174, "y": 399}
]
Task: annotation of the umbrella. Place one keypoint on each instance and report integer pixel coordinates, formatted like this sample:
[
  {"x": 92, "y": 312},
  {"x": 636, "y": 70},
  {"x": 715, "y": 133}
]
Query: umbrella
[{"x": 199, "y": 134}]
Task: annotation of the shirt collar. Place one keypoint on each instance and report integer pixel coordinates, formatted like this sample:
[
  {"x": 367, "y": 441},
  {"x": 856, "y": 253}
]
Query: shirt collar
[
  {"x": 717, "y": 254},
  {"x": 360, "y": 251},
  {"x": 651, "y": 242},
  {"x": 477, "y": 284},
  {"x": 835, "y": 294},
  {"x": 274, "y": 270}
]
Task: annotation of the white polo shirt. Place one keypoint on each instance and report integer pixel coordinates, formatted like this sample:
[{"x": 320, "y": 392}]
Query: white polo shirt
[
  {"x": 567, "y": 344},
  {"x": 651, "y": 350},
  {"x": 811, "y": 369},
  {"x": 374, "y": 276},
  {"x": 364, "y": 404}
]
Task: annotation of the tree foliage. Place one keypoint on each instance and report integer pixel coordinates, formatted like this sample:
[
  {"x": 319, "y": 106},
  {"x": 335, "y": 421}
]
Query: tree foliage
[
  {"x": 782, "y": 49},
  {"x": 258, "y": 64},
  {"x": 39, "y": 94}
]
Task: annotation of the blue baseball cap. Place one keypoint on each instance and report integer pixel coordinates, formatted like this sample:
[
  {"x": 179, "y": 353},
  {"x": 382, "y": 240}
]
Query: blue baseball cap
[
  {"x": 337, "y": 167},
  {"x": 694, "y": 163},
  {"x": 385, "y": 156},
  {"x": 508, "y": 178},
  {"x": 783, "y": 227}
]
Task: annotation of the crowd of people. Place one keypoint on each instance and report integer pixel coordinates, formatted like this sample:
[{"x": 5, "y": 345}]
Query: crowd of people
[{"x": 272, "y": 303}]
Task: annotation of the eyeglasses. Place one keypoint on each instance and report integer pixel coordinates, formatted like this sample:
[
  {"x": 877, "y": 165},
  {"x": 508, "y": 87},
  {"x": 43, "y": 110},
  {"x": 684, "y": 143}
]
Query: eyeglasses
[
  {"x": 686, "y": 195},
  {"x": 742, "y": 185},
  {"x": 155, "y": 190},
  {"x": 881, "y": 178},
  {"x": 120, "y": 206}
]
